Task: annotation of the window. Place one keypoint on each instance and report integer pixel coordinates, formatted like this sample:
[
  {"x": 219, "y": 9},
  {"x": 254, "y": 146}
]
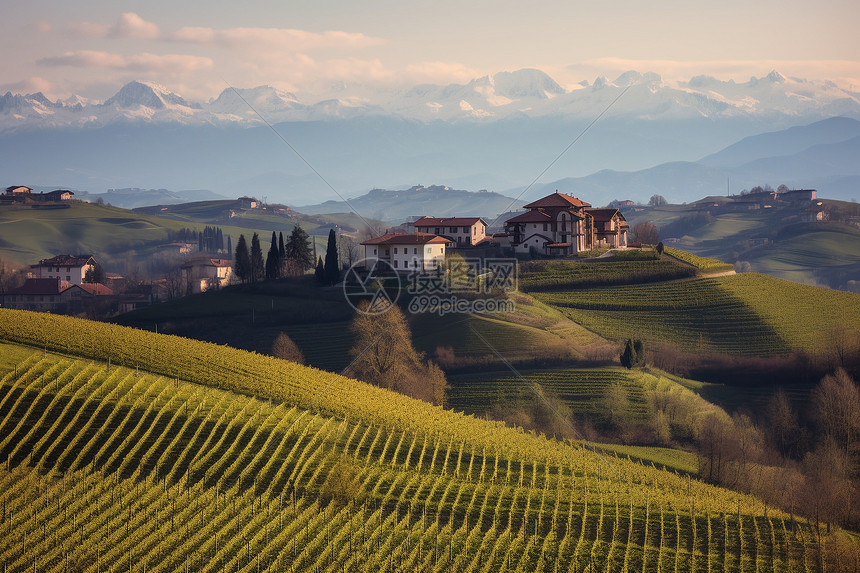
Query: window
[
  {"x": 69, "y": 277},
  {"x": 436, "y": 230},
  {"x": 466, "y": 230},
  {"x": 395, "y": 263},
  {"x": 452, "y": 229},
  {"x": 395, "y": 250},
  {"x": 374, "y": 251},
  {"x": 414, "y": 250},
  {"x": 544, "y": 226},
  {"x": 386, "y": 252}
]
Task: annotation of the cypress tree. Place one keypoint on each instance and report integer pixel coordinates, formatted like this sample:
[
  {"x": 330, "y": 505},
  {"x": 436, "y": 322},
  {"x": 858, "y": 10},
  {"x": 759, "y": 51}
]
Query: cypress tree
[
  {"x": 638, "y": 353},
  {"x": 257, "y": 266},
  {"x": 273, "y": 263},
  {"x": 320, "y": 273},
  {"x": 627, "y": 357},
  {"x": 242, "y": 260},
  {"x": 229, "y": 245},
  {"x": 332, "y": 266}
]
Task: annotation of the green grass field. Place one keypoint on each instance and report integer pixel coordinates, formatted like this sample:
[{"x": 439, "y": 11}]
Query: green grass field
[
  {"x": 113, "y": 234},
  {"x": 108, "y": 467}
]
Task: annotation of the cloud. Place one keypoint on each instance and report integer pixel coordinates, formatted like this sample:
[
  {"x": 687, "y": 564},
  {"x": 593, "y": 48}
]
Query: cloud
[
  {"x": 144, "y": 62},
  {"x": 128, "y": 25},
  {"x": 30, "y": 85},
  {"x": 40, "y": 27},
  {"x": 272, "y": 38},
  {"x": 738, "y": 70},
  {"x": 441, "y": 72}
]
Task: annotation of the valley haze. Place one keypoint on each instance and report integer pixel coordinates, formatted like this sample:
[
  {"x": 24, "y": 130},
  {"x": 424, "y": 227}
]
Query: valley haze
[{"x": 497, "y": 132}]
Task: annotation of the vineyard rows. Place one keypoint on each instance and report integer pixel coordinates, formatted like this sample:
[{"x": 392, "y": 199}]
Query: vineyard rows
[
  {"x": 696, "y": 314},
  {"x": 581, "y": 389},
  {"x": 554, "y": 275},
  {"x": 107, "y": 468},
  {"x": 705, "y": 264}
]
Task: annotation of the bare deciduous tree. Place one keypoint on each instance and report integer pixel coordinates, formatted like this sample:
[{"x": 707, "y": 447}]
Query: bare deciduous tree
[
  {"x": 384, "y": 356},
  {"x": 837, "y": 405},
  {"x": 285, "y": 348}
]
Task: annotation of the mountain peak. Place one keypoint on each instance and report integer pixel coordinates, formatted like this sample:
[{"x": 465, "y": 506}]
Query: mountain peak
[
  {"x": 775, "y": 77},
  {"x": 527, "y": 82},
  {"x": 146, "y": 94}
]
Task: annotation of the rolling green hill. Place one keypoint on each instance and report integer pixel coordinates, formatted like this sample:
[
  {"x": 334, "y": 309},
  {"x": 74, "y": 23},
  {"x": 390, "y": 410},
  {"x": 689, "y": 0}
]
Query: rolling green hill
[
  {"x": 773, "y": 240},
  {"x": 108, "y": 466},
  {"x": 113, "y": 234},
  {"x": 746, "y": 314}
]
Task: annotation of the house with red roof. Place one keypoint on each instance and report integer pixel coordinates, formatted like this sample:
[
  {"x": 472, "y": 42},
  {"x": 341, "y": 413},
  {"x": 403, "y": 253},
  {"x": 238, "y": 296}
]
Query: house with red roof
[
  {"x": 69, "y": 268},
  {"x": 55, "y": 295},
  {"x": 407, "y": 252},
  {"x": 610, "y": 228},
  {"x": 559, "y": 225},
  {"x": 202, "y": 273},
  {"x": 463, "y": 231}
]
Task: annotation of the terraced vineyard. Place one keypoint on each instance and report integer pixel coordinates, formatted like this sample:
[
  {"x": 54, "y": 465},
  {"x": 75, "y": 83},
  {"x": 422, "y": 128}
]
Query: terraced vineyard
[
  {"x": 746, "y": 314},
  {"x": 459, "y": 332},
  {"x": 582, "y": 389},
  {"x": 536, "y": 276},
  {"x": 705, "y": 264},
  {"x": 113, "y": 468},
  {"x": 696, "y": 314}
]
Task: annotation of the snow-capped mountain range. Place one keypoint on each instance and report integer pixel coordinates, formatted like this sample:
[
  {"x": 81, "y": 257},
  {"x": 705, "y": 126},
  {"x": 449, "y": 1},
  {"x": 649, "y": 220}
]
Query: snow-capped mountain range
[{"x": 523, "y": 93}]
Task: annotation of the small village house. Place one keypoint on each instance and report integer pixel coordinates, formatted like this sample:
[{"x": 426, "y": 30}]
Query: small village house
[
  {"x": 70, "y": 268},
  {"x": 610, "y": 228},
  {"x": 55, "y": 295},
  {"x": 248, "y": 203},
  {"x": 463, "y": 231},
  {"x": 407, "y": 252},
  {"x": 202, "y": 273}
]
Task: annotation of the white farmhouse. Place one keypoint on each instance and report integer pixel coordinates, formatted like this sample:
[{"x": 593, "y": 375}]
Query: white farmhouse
[
  {"x": 69, "y": 268},
  {"x": 203, "y": 273},
  {"x": 407, "y": 252},
  {"x": 461, "y": 230}
]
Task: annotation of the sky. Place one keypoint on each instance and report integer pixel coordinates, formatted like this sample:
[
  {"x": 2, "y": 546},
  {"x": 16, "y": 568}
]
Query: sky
[{"x": 355, "y": 49}]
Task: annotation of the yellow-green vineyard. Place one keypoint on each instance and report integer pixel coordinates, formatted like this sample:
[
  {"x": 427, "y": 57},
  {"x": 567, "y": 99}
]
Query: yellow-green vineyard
[{"x": 116, "y": 468}]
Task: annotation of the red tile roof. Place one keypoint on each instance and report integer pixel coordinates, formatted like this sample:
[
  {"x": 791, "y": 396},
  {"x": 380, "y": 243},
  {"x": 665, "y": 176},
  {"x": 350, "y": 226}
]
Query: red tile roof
[
  {"x": 65, "y": 261},
  {"x": 95, "y": 289},
  {"x": 531, "y": 217},
  {"x": 603, "y": 215},
  {"x": 557, "y": 200},
  {"x": 206, "y": 262},
  {"x": 40, "y": 286},
  {"x": 446, "y": 221},
  {"x": 407, "y": 239}
]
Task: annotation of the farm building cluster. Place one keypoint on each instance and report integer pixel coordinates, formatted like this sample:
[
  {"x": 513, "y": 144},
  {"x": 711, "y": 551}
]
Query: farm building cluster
[{"x": 556, "y": 225}]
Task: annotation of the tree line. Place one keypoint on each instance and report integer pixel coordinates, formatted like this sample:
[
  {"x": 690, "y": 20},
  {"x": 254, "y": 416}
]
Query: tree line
[
  {"x": 290, "y": 258},
  {"x": 209, "y": 240}
]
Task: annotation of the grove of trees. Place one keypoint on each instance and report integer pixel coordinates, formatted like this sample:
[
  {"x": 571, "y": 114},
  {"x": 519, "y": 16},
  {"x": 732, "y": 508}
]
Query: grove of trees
[{"x": 283, "y": 259}]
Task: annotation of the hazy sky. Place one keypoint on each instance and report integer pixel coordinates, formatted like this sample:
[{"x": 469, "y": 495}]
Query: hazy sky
[{"x": 196, "y": 48}]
